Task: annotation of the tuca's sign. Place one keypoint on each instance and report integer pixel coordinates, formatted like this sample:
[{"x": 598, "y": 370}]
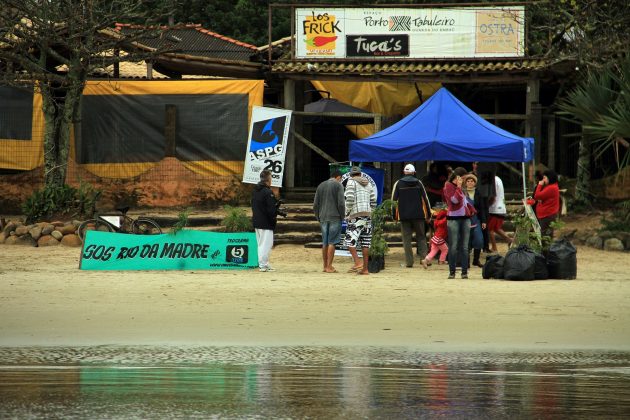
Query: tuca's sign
[{"x": 186, "y": 250}]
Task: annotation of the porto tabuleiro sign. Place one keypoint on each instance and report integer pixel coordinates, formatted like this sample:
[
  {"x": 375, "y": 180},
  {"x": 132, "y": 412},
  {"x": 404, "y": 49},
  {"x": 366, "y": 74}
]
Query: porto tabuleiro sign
[
  {"x": 186, "y": 250},
  {"x": 266, "y": 146},
  {"x": 410, "y": 33}
]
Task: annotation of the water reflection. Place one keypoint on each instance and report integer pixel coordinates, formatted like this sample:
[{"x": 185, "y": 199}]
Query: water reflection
[{"x": 149, "y": 382}]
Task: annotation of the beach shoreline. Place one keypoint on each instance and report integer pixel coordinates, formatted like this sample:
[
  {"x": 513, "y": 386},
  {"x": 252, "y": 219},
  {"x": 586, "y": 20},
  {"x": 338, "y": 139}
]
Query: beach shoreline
[{"x": 47, "y": 301}]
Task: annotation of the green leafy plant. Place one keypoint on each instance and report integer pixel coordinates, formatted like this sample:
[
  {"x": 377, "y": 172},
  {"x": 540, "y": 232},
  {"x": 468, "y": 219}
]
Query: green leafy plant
[
  {"x": 525, "y": 234},
  {"x": 620, "y": 218},
  {"x": 87, "y": 196},
  {"x": 60, "y": 201},
  {"x": 236, "y": 220},
  {"x": 182, "y": 220},
  {"x": 380, "y": 214}
]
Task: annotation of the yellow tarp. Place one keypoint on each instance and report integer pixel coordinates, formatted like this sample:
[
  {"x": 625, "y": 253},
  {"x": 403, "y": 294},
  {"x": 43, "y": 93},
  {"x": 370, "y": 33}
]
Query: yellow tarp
[
  {"x": 387, "y": 98},
  {"x": 253, "y": 88},
  {"x": 25, "y": 155},
  {"x": 28, "y": 155}
]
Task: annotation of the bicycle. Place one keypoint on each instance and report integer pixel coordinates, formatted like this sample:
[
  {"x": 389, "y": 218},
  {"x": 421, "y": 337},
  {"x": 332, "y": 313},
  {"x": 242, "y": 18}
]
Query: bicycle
[{"x": 120, "y": 223}]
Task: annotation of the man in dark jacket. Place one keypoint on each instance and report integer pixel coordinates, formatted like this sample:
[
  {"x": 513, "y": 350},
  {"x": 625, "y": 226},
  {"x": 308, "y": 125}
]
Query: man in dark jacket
[
  {"x": 413, "y": 210},
  {"x": 264, "y": 217}
]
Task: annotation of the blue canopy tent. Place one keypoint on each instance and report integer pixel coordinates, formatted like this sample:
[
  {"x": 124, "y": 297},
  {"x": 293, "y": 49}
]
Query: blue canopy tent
[{"x": 443, "y": 128}]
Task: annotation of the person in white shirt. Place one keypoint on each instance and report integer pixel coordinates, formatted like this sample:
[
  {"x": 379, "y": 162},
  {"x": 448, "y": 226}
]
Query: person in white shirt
[{"x": 497, "y": 212}]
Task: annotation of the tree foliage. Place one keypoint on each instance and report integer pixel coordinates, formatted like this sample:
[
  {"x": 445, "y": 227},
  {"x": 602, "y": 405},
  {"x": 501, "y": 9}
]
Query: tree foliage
[
  {"x": 54, "y": 46},
  {"x": 601, "y": 105},
  {"x": 592, "y": 32}
]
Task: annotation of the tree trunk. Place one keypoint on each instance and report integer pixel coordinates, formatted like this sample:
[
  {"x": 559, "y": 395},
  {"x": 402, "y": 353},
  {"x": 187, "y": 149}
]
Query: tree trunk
[
  {"x": 60, "y": 105},
  {"x": 582, "y": 187}
]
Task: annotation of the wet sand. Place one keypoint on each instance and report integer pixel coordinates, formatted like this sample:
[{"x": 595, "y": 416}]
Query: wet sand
[{"x": 46, "y": 300}]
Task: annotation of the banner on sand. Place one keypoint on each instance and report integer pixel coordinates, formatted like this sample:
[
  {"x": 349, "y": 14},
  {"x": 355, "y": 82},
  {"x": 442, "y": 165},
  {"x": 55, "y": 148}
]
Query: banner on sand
[
  {"x": 186, "y": 250},
  {"x": 267, "y": 144}
]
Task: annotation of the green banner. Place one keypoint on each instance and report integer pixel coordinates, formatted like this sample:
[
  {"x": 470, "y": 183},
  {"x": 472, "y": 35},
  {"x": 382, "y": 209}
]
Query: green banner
[{"x": 186, "y": 250}]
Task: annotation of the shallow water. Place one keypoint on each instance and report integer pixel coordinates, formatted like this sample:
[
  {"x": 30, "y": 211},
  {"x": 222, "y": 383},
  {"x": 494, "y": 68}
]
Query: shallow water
[{"x": 308, "y": 382}]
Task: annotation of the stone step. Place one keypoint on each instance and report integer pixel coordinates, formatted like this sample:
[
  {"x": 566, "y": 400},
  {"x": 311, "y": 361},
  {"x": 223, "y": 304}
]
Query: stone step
[
  {"x": 298, "y": 195},
  {"x": 297, "y": 226},
  {"x": 296, "y": 238}
]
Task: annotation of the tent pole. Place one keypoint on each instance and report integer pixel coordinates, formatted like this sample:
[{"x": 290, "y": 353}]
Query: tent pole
[{"x": 524, "y": 182}]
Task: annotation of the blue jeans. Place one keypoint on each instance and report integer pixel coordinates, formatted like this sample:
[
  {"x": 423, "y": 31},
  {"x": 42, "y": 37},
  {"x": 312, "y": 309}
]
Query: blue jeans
[
  {"x": 476, "y": 237},
  {"x": 458, "y": 237},
  {"x": 331, "y": 232}
]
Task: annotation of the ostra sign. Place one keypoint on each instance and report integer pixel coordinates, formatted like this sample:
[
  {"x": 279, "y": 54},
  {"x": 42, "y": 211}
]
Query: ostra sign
[{"x": 390, "y": 33}]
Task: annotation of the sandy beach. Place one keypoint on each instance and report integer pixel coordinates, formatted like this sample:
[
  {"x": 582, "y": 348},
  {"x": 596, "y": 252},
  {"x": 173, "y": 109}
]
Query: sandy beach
[{"x": 46, "y": 300}]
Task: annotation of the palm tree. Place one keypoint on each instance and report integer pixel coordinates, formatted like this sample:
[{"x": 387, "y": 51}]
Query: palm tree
[{"x": 600, "y": 104}]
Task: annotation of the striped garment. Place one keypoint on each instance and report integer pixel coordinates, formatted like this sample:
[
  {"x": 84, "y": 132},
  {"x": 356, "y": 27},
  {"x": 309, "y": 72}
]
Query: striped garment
[
  {"x": 360, "y": 197},
  {"x": 437, "y": 240}
]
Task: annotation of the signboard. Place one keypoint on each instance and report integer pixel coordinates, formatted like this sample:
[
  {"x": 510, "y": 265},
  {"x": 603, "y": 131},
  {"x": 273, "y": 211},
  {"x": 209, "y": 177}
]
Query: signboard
[
  {"x": 377, "y": 45},
  {"x": 266, "y": 145},
  {"x": 186, "y": 250},
  {"x": 465, "y": 32}
]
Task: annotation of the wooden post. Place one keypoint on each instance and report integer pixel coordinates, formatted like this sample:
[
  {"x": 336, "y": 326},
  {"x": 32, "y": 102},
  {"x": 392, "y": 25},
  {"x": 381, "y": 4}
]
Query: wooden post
[
  {"x": 378, "y": 122},
  {"x": 551, "y": 142},
  {"x": 170, "y": 129},
  {"x": 564, "y": 147},
  {"x": 301, "y": 155},
  {"x": 289, "y": 161},
  {"x": 532, "y": 123},
  {"x": 532, "y": 96},
  {"x": 536, "y": 130}
]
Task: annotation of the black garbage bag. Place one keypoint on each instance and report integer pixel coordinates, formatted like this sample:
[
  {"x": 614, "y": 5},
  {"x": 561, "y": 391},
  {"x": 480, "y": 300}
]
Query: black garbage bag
[
  {"x": 540, "y": 267},
  {"x": 562, "y": 260},
  {"x": 519, "y": 264},
  {"x": 493, "y": 268}
]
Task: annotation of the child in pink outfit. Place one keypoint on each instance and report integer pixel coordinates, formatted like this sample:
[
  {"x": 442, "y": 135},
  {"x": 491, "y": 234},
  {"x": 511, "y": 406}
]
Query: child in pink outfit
[{"x": 438, "y": 240}]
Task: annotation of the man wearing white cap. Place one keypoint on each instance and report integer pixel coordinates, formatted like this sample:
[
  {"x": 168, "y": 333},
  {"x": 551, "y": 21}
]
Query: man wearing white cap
[{"x": 413, "y": 210}]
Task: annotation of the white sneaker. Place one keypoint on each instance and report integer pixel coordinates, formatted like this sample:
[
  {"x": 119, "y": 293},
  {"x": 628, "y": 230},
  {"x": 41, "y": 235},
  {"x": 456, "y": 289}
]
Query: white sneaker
[{"x": 266, "y": 268}]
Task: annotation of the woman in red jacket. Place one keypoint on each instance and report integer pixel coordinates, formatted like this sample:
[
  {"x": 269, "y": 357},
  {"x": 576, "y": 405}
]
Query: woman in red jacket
[{"x": 547, "y": 197}]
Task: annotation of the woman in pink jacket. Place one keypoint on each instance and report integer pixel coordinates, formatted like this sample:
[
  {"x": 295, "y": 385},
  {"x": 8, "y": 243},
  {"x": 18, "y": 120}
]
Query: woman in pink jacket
[{"x": 458, "y": 223}]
